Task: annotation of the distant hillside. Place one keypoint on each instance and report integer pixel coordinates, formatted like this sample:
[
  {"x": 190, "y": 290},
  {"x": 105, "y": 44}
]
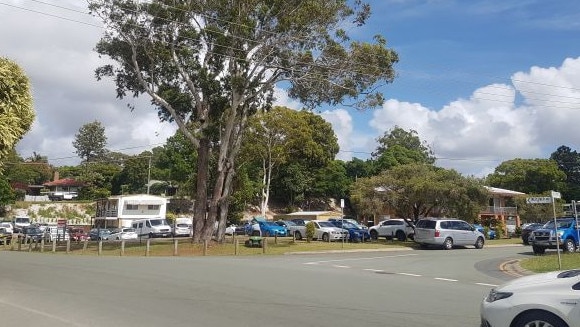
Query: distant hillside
[{"x": 50, "y": 212}]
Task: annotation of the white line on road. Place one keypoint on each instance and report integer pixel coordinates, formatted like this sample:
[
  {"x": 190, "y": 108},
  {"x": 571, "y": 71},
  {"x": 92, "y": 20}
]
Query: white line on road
[
  {"x": 446, "y": 279},
  {"x": 337, "y": 266},
  {"x": 408, "y": 274},
  {"x": 357, "y": 259},
  {"x": 485, "y": 284}
]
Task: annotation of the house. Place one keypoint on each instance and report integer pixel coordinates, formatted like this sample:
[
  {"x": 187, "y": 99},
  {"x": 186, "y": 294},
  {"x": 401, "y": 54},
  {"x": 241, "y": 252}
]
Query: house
[
  {"x": 122, "y": 210},
  {"x": 498, "y": 210},
  {"x": 63, "y": 189},
  {"x": 308, "y": 215}
]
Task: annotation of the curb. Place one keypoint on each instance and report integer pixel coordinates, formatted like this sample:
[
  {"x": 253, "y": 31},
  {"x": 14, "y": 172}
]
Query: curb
[{"x": 513, "y": 268}]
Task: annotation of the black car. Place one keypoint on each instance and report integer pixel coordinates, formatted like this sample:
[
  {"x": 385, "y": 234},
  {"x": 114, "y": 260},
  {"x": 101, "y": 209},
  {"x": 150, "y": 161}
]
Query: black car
[
  {"x": 526, "y": 231},
  {"x": 32, "y": 234}
]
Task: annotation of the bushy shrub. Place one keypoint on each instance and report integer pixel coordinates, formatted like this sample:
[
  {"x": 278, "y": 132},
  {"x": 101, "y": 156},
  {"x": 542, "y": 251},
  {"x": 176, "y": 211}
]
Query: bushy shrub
[{"x": 310, "y": 230}]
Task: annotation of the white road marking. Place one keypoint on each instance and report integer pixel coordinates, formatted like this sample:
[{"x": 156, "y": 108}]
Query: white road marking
[
  {"x": 337, "y": 266},
  {"x": 357, "y": 259},
  {"x": 446, "y": 279},
  {"x": 408, "y": 274},
  {"x": 485, "y": 284}
]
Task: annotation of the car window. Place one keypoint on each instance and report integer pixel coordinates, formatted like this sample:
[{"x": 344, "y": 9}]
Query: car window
[
  {"x": 325, "y": 224},
  {"x": 445, "y": 225},
  {"x": 425, "y": 223},
  {"x": 462, "y": 225}
]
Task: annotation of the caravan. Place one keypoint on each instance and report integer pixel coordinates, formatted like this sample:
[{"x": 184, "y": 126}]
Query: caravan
[{"x": 152, "y": 227}]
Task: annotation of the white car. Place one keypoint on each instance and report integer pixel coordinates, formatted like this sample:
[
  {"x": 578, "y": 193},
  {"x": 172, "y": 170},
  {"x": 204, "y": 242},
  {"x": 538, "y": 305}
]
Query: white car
[
  {"x": 326, "y": 231},
  {"x": 182, "y": 230},
  {"x": 393, "y": 228},
  {"x": 8, "y": 226},
  {"x": 125, "y": 233},
  {"x": 543, "y": 300}
]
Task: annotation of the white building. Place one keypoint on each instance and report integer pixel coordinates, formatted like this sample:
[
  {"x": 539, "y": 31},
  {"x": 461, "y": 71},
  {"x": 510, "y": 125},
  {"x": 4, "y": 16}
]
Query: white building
[{"x": 122, "y": 210}]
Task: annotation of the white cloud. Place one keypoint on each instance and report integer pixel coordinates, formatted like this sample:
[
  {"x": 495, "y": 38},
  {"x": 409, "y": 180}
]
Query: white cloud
[
  {"x": 474, "y": 135},
  {"x": 341, "y": 122}
]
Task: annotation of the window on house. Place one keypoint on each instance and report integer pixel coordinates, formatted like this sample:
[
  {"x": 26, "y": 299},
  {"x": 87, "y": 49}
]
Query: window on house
[
  {"x": 153, "y": 207},
  {"x": 132, "y": 207}
]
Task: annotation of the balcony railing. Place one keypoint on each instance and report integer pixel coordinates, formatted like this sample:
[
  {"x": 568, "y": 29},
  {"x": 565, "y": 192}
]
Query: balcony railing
[{"x": 500, "y": 210}]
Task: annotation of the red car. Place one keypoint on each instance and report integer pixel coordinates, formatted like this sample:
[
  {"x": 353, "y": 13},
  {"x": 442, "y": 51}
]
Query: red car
[{"x": 78, "y": 234}]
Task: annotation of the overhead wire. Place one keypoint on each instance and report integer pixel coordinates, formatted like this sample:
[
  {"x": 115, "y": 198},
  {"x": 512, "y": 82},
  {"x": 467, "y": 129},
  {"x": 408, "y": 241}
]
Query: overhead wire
[{"x": 490, "y": 99}]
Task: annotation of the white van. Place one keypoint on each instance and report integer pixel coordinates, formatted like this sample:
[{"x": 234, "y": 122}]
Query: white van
[
  {"x": 152, "y": 227},
  {"x": 52, "y": 233},
  {"x": 21, "y": 223}
]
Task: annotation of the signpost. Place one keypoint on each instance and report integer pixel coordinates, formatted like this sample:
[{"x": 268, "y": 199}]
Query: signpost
[{"x": 550, "y": 199}]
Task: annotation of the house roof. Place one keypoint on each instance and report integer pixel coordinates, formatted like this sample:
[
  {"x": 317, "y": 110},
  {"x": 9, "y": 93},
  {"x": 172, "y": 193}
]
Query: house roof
[
  {"x": 501, "y": 191},
  {"x": 309, "y": 213},
  {"x": 64, "y": 182}
]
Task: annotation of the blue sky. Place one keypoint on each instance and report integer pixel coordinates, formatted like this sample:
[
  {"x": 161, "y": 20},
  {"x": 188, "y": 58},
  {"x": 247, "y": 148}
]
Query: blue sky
[{"x": 480, "y": 81}]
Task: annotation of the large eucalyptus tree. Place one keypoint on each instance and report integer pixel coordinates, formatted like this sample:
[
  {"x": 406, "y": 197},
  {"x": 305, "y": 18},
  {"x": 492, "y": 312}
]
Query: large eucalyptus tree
[{"x": 208, "y": 65}]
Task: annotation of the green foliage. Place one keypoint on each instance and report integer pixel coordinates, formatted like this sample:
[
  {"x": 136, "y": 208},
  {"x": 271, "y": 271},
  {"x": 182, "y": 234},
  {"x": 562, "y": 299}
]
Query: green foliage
[
  {"x": 90, "y": 141},
  {"x": 419, "y": 190},
  {"x": 224, "y": 61},
  {"x": 532, "y": 176},
  {"x": 16, "y": 111},
  {"x": 6, "y": 194},
  {"x": 500, "y": 230},
  {"x": 569, "y": 162},
  {"x": 310, "y": 231},
  {"x": 400, "y": 147},
  {"x": 32, "y": 171}
]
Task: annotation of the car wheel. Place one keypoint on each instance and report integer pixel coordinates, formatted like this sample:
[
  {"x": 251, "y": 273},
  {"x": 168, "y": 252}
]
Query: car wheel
[
  {"x": 298, "y": 236},
  {"x": 150, "y": 235},
  {"x": 479, "y": 243},
  {"x": 374, "y": 234},
  {"x": 525, "y": 241},
  {"x": 538, "y": 249},
  {"x": 401, "y": 236},
  {"x": 448, "y": 244},
  {"x": 569, "y": 246},
  {"x": 539, "y": 318},
  {"x": 325, "y": 237}
]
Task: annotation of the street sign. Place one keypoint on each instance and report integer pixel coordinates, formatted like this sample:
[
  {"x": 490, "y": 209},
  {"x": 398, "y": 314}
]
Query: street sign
[{"x": 538, "y": 200}]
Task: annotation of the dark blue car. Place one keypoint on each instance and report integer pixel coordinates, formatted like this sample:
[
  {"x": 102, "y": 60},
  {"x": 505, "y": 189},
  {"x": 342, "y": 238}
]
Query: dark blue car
[{"x": 355, "y": 233}]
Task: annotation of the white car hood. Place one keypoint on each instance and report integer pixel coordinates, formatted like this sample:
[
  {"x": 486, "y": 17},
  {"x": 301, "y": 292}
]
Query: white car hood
[{"x": 544, "y": 280}]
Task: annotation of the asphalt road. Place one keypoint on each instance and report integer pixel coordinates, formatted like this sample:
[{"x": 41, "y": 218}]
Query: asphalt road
[{"x": 394, "y": 288}]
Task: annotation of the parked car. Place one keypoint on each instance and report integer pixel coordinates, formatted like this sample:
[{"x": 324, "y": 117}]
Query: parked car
[
  {"x": 235, "y": 230},
  {"x": 267, "y": 228},
  {"x": 490, "y": 231},
  {"x": 78, "y": 234},
  {"x": 563, "y": 233},
  {"x": 32, "y": 234},
  {"x": 527, "y": 231},
  {"x": 5, "y": 236},
  {"x": 393, "y": 228},
  {"x": 326, "y": 231},
  {"x": 53, "y": 232},
  {"x": 447, "y": 233},
  {"x": 350, "y": 220},
  {"x": 97, "y": 234},
  {"x": 355, "y": 233},
  {"x": 125, "y": 233},
  {"x": 548, "y": 299},
  {"x": 9, "y": 227},
  {"x": 298, "y": 231},
  {"x": 182, "y": 230}
]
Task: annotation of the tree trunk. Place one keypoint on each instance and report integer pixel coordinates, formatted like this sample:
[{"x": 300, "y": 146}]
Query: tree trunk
[{"x": 200, "y": 209}]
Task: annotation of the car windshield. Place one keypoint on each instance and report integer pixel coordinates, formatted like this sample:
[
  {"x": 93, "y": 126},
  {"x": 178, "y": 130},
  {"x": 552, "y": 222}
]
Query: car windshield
[
  {"x": 326, "y": 224},
  {"x": 430, "y": 224},
  {"x": 22, "y": 220},
  {"x": 33, "y": 230},
  {"x": 158, "y": 222},
  {"x": 270, "y": 223},
  {"x": 182, "y": 225},
  {"x": 128, "y": 230},
  {"x": 289, "y": 223},
  {"x": 561, "y": 223},
  {"x": 346, "y": 224}
]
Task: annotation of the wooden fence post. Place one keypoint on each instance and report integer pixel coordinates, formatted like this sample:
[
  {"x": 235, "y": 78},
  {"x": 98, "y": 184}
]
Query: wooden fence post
[
  {"x": 147, "y": 247},
  {"x": 122, "y": 247},
  {"x": 175, "y": 246}
]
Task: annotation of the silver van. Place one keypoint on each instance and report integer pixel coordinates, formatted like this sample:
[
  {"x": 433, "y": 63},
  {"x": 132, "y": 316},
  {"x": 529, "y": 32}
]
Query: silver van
[{"x": 447, "y": 232}]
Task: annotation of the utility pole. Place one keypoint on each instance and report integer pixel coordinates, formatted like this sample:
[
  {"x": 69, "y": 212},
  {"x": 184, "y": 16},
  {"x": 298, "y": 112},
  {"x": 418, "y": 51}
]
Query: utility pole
[{"x": 149, "y": 176}]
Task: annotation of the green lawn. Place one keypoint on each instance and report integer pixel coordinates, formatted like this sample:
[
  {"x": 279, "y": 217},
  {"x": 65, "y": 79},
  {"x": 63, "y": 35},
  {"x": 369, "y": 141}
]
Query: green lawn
[
  {"x": 285, "y": 245},
  {"x": 549, "y": 262}
]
